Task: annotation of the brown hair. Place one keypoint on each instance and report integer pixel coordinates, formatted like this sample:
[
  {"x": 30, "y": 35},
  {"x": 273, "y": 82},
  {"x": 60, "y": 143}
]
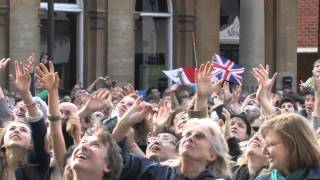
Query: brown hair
[
  {"x": 113, "y": 157},
  {"x": 294, "y": 130},
  {"x": 24, "y": 162}
]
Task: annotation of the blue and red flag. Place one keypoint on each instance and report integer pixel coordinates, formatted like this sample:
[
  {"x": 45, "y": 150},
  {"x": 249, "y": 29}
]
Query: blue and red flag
[{"x": 227, "y": 70}]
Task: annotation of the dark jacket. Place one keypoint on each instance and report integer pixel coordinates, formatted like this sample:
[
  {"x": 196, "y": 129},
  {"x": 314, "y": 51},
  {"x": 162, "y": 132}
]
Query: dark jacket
[
  {"x": 242, "y": 173},
  {"x": 38, "y": 158},
  {"x": 314, "y": 173},
  {"x": 140, "y": 168}
]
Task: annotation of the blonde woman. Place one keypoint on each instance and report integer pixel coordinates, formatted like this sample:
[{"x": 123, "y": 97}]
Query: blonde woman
[{"x": 203, "y": 151}]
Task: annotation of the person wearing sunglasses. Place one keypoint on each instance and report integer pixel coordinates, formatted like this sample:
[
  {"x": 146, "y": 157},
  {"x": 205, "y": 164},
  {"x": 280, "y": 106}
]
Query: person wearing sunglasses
[
  {"x": 203, "y": 151},
  {"x": 162, "y": 147}
]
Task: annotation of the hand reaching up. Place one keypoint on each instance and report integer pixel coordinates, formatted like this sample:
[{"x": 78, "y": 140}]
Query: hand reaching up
[
  {"x": 265, "y": 83},
  {"x": 48, "y": 78},
  {"x": 21, "y": 82},
  {"x": 98, "y": 100},
  {"x": 136, "y": 113},
  {"x": 203, "y": 81},
  {"x": 3, "y": 63}
]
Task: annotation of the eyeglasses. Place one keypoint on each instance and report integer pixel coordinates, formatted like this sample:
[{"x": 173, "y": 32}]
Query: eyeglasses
[
  {"x": 196, "y": 135},
  {"x": 269, "y": 145},
  {"x": 163, "y": 139}
]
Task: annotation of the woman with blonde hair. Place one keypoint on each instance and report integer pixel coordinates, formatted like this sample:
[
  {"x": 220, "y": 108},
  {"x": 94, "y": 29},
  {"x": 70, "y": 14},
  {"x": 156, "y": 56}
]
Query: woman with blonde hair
[
  {"x": 253, "y": 162},
  {"x": 292, "y": 148}
]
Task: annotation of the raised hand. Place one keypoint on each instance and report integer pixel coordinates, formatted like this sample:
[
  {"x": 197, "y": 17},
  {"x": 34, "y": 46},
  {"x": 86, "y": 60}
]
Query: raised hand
[
  {"x": 236, "y": 94},
  {"x": 227, "y": 95},
  {"x": 3, "y": 63},
  {"x": 98, "y": 100},
  {"x": 73, "y": 127},
  {"x": 265, "y": 85},
  {"x": 48, "y": 78},
  {"x": 203, "y": 81},
  {"x": 29, "y": 62},
  {"x": 128, "y": 89},
  {"x": 164, "y": 114},
  {"x": 136, "y": 113},
  {"x": 21, "y": 82}
]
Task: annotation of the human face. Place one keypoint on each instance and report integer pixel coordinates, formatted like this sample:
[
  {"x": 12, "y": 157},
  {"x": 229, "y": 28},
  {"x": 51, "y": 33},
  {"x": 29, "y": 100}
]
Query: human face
[
  {"x": 287, "y": 107},
  {"x": 277, "y": 151},
  {"x": 251, "y": 110},
  {"x": 238, "y": 129},
  {"x": 196, "y": 144},
  {"x": 20, "y": 109},
  {"x": 124, "y": 105},
  {"x": 179, "y": 122},
  {"x": 316, "y": 69},
  {"x": 255, "y": 146},
  {"x": 90, "y": 156},
  {"x": 17, "y": 134},
  {"x": 66, "y": 109},
  {"x": 162, "y": 147},
  {"x": 309, "y": 103}
]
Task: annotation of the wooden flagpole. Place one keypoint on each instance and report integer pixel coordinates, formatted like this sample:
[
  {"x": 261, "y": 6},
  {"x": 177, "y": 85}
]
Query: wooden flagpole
[{"x": 194, "y": 48}]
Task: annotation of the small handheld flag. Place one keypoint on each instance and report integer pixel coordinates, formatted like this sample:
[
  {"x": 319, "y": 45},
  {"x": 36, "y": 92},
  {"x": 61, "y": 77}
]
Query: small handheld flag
[
  {"x": 186, "y": 74},
  {"x": 227, "y": 70}
]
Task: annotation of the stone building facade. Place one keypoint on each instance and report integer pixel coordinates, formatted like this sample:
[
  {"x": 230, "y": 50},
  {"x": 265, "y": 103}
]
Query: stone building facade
[{"x": 133, "y": 40}]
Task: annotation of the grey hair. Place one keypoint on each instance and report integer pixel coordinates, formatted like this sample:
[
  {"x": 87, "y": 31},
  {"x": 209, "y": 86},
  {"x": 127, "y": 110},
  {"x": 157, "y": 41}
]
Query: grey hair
[
  {"x": 220, "y": 167},
  {"x": 42, "y": 106}
]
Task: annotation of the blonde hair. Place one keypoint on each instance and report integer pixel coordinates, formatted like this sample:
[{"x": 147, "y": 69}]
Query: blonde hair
[
  {"x": 294, "y": 130},
  {"x": 220, "y": 167}
]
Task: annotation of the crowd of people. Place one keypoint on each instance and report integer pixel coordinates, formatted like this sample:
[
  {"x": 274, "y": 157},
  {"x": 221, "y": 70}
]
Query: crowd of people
[{"x": 109, "y": 132}]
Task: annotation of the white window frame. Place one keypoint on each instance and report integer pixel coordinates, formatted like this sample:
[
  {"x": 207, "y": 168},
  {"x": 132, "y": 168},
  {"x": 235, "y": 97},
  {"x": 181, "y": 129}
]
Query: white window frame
[
  {"x": 78, "y": 9},
  {"x": 169, "y": 29}
]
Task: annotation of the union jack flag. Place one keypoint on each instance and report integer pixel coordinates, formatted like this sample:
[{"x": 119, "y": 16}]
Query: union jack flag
[{"x": 227, "y": 70}]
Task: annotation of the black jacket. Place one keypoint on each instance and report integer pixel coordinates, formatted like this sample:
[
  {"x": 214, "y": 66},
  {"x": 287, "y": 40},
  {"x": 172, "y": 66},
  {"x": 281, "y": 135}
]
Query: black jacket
[{"x": 141, "y": 168}]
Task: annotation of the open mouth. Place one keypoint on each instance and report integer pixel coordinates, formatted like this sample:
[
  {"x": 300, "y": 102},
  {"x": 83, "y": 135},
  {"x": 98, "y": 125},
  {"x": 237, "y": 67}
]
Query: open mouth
[
  {"x": 82, "y": 156},
  {"x": 155, "y": 148}
]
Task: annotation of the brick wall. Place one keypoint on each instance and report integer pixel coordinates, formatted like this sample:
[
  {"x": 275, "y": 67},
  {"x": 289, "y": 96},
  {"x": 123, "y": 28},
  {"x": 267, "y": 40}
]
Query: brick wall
[{"x": 308, "y": 23}]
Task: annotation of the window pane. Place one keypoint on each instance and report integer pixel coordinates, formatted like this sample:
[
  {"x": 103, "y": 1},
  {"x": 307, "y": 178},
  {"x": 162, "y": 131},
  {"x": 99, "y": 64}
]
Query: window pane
[
  {"x": 151, "y": 6},
  {"x": 151, "y": 52},
  {"x": 65, "y": 44},
  {"x": 62, "y": 1}
]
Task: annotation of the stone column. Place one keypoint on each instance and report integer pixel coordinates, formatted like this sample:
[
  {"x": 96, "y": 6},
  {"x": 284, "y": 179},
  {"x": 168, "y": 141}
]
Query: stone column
[
  {"x": 24, "y": 36},
  {"x": 286, "y": 60},
  {"x": 121, "y": 43},
  {"x": 207, "y": 28},
  {"x": 183, "y": 26},
  {"x": 96, "y": 30},
  {"x": 252, "y": 42}
]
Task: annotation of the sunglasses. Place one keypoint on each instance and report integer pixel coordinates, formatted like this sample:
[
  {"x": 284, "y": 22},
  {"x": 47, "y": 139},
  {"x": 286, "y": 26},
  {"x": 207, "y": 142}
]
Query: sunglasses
[{"x": 153, "y": 139}]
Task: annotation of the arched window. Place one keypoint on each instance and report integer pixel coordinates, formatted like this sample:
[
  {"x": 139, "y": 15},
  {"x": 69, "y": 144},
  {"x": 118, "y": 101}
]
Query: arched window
[{"x": 153, "y": 43}]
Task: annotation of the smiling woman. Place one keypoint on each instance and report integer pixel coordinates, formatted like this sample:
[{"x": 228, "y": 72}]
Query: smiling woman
[{"x": 288, "y": 157}]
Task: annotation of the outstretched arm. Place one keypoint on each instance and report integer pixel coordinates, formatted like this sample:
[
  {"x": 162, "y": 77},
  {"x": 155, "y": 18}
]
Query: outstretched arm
[
  {"x": 261, "y": 74},
  {"x": 133, "y": 116},
  {"x": 50, "y": 81},
  {"x": 204, "y": 86}
]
